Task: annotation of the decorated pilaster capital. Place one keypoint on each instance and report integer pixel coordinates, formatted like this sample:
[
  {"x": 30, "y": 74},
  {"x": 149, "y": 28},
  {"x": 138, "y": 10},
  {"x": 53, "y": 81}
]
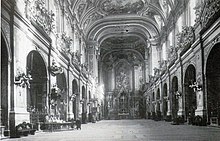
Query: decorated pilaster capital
[
  {"x": 154, "y": 41},
  {"x": 159, "y": 47},
  {"x": 93, "y": 45}
]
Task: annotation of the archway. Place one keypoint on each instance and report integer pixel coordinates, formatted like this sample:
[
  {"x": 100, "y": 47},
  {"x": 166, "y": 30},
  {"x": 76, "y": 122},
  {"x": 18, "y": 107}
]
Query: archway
[
  {"x": 165, "y": 104},
  {"x": 4, "y": 84},
  {"x": 123, "y": 105},
  {"x": 213, "y": 85},
  {"x": 175, "y": 104},
  {"x": 190, "y": 95},
  {"x": 153, "y": 114},
  {"x": 37, "y": 94},
  {"x": 75, "y": 93},
  {"x": 62, "y": 102},
  {"x": 90, "y": 106},
  {"x": 83, "y": 104},
  {"x": 158, "y": 104}
]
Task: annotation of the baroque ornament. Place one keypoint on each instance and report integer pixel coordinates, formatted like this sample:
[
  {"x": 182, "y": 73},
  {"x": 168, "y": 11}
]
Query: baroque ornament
[
  {"x": 64, "y": 42},
  {"x": 55, "y": 69},
  {"x": 76, "y": 58},
  {"x": 92, "y": 18},
  {"x": 122, "y": 6},
  {"x": 151, "y": 78},
  {"x": 207, "y": 11},
  {"x": 81, "y": 9},
  {"x": 196, "y": 86},
  {"x": 172, "y": 55},
  {"x": 163, "y": 65},
  {"x": 37, "y": 12},
  {"x": 55, "y": 94},
  {"x": 186, "y": 37},
  {"x": 84, "y": 68},
  {"x": 156, "y": 72},
  {"x": 22, "y": 79}
]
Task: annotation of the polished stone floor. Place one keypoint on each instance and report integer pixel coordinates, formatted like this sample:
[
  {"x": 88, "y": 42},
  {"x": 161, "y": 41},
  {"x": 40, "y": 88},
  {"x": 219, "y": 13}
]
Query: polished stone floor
[{"x": 129, "y": 130}]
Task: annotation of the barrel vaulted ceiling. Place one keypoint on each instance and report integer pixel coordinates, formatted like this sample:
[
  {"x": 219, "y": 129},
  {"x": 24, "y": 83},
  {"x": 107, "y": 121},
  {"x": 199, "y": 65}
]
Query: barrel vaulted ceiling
[{"x": 122, "y": 24}]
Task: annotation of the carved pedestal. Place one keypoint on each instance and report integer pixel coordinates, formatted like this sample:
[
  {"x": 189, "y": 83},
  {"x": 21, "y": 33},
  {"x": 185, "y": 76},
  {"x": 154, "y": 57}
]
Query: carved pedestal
[
  {"x": 200, "y": 110},
  {"x": 180, "y": 111}
]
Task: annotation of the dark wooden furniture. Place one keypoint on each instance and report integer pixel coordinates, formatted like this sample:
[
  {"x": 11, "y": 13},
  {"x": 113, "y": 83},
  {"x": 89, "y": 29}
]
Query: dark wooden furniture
[{"x": 24, "y": 129}]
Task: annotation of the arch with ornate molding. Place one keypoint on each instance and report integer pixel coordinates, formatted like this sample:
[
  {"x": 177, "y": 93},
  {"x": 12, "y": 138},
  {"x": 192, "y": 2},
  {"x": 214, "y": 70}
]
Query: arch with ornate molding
[
  {"x": 158, "y": 102},
  {"x": 213, "y": 88},
  {"x": 62, "y": 102},
  {"x": 4, "y": 107},
  {"x": 75, "y": 98},
  {"x": 175, "y": 103},
  {"x": 146, "y": 27},
  {"x": 190, "y": 94},
  {"x": 165, "y": 101},
  {"x": 37, "y": 94},
  {"x": 83, "y": 102}
]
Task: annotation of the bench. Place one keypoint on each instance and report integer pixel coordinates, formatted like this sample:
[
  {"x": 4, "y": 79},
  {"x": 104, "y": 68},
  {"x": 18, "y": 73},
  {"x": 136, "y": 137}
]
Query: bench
[{"x": 24, "y": 129}]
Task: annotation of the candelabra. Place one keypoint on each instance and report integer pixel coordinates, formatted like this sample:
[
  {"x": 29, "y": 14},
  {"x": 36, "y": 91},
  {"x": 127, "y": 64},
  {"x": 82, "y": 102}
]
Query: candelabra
[{"x": 196, "y": 87}]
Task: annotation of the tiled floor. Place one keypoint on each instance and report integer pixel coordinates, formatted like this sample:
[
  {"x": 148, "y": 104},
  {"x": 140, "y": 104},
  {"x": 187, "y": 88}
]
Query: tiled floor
[{"x": 129, "y": 130}]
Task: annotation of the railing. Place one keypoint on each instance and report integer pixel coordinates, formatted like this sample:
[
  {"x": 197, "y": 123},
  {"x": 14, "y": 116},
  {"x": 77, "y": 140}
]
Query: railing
[
  {"x": 53, "y": 126},
  {"x": 37, "y": 117}
]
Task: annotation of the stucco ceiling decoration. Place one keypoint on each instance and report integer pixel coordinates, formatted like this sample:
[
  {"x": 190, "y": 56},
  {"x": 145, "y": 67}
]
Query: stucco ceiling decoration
[
  {"x": 117, "y": 25},
  {"x": 91, "y": 11},
  {"x": 128, "y": 43},
  {"x": 122, "y": 40},
  {"x": 144, "y": 28},
  {"x": 133, "y": 58},
  {"x": 118, "y": 43},
  {"x": 112, "y": 7}
]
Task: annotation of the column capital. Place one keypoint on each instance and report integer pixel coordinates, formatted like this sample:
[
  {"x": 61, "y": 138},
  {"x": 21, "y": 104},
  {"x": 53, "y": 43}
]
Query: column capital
[
  {"x": 159, "y": 47},
  {"x": 92, "y": 44},
  {"x": 154, "y": 41}
]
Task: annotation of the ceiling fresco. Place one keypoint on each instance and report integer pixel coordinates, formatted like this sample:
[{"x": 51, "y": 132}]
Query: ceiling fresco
[{"x": 122, "y": 6}]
